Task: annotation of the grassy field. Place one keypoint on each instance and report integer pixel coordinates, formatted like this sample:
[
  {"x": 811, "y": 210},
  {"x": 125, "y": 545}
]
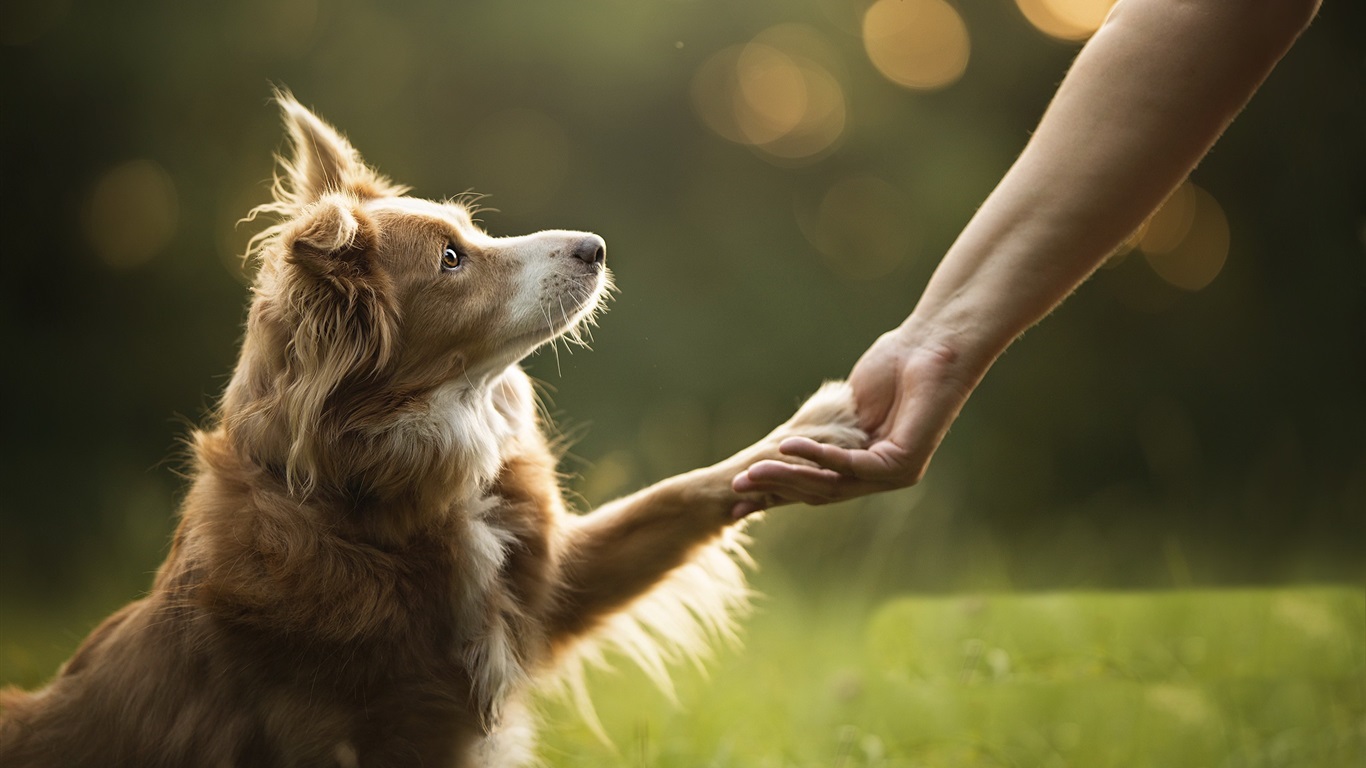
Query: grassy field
[
  {"x": 1194, "y": 678},
  {"x": 1172, "y": 679}
]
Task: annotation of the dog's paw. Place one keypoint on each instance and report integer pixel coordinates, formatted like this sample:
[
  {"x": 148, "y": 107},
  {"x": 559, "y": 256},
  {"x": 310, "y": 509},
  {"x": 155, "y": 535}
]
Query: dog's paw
[{"x": 826, "y": 417}]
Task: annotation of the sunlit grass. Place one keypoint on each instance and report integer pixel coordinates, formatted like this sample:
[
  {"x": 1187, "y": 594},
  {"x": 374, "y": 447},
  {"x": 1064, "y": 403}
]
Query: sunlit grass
[{"x": 1199, "y": 678}]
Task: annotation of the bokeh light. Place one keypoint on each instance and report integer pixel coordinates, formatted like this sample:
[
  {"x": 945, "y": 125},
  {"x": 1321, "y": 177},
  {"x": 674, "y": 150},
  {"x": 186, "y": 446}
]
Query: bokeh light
[
  {"x": 772, "y": 95},
  {"x": 1066, "y": 19},
  {"x": 1193, "y": 261},
  {"x": 772, "y": 91},
  {"x": 861, "y": 228},
  {"x": 1185, "y": 241},
  {"x": 919, "y": 44},
  {"x": 131, "y": 214},
  {"x": 1168, "y": 226}
]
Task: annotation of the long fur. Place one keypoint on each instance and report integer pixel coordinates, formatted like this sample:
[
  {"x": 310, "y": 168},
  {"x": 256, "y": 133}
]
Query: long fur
[{"x": 374, "y": 564}]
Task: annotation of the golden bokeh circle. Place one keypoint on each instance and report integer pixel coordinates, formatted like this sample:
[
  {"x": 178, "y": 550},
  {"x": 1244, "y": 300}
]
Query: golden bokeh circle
[
  {"x": 770, "y": 94},
  {"x": 1169, "y": 225},
  {"x": 918, "y": 44},
  {"x": 1066, "y": 19},
  {"x": 778, "y": 101},
  {"x": 1199, "y": 256},
  {"x": 131, "y": 214}
]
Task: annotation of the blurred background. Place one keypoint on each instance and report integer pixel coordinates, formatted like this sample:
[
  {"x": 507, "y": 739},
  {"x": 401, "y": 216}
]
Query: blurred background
[{"x": 776, "y": 180}]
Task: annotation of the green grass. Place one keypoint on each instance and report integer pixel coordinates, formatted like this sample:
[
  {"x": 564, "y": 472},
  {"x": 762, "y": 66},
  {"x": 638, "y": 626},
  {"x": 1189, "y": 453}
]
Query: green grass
[
  {"x": 1255, "y": 678},
  {"x": 1193, "y": 678}
]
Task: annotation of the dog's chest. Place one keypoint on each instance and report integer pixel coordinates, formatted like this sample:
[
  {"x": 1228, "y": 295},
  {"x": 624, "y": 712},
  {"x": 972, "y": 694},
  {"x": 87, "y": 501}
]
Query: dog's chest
[{"x": 486, "y": 641}]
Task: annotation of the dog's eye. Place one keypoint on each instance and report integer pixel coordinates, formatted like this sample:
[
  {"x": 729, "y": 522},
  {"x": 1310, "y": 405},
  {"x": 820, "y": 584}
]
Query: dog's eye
[{"x": 451, "y": 259}]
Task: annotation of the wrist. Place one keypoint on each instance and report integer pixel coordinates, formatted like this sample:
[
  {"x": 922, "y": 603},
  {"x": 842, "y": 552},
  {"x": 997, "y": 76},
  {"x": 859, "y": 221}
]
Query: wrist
[{"x": 961, "y": 349}]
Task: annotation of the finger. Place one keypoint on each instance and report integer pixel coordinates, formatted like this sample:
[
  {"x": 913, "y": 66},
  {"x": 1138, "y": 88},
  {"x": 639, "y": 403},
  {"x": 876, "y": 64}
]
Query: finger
[
  {"x": 791, "y": 482},
  {"x": 883, "y": 461},
  {"x": 771, "y": 470},
  {"x": 809, "y": 485},
  {"x": 784, "y": 490},
  {"x": 831, "y": 457},
  {"x": 818, "y": 495}
]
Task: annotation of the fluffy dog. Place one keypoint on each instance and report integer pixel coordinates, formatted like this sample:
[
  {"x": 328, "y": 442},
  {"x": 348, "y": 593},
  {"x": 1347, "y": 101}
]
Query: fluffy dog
[{"x": 374, "y": 563}]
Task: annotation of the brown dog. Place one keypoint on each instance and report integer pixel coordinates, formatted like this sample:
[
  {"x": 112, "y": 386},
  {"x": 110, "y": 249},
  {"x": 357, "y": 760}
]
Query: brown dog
[{"x": 374, "y": 562}]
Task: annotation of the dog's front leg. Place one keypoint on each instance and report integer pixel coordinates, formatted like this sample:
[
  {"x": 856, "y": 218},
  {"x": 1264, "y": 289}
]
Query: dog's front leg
[
  {"x": 617, "y": 553},
  {"x": 622, "y": 549}
]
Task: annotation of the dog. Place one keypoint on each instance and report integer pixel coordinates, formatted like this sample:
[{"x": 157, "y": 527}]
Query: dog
[{"x": 374, "y": 563}]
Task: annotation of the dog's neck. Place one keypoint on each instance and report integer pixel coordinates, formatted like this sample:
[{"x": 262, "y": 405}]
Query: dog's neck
[
  {"x": 460, "y": 432},
  {"x": 411, "y": 456}
]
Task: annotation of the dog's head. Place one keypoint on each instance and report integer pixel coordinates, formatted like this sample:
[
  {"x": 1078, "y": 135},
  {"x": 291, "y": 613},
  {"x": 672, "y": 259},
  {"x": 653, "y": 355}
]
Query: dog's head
[{"x": 367, "y": 302}]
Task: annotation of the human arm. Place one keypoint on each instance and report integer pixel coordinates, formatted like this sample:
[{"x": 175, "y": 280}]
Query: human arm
[{"x": 1145, "y": 100}]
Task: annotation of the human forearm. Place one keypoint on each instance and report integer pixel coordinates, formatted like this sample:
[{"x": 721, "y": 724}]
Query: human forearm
[
  {"x": 1142, "y": 104},
  {"x": 1144, "y": 101}
]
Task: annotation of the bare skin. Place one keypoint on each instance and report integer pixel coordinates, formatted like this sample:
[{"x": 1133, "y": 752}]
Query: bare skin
[{"x": 1145, "y": 100}]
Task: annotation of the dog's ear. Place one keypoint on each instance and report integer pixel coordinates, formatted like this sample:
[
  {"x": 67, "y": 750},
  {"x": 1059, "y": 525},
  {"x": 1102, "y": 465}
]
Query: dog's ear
[
  {"x": 319, "y": 161},
  {"x": 329, "y": 238},
  {"x": 341, "y": 320}
]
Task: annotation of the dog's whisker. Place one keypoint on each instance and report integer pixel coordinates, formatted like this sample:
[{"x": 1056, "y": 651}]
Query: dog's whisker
[
  {"x": 555, "y": 338},
  {"x": 570, "y": 332},
  {"x": 554, "y": 345}
]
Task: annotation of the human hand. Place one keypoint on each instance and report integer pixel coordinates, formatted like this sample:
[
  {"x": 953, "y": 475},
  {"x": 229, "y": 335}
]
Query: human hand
[{"x": 907, "y": 391}]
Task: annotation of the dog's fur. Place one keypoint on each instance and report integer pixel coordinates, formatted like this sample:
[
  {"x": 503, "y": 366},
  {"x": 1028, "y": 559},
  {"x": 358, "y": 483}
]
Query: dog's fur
[{"x": 374, "y": 562}]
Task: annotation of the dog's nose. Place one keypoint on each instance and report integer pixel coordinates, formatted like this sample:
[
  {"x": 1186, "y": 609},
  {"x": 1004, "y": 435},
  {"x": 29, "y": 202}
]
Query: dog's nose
[{"x": 591, "y": 250}]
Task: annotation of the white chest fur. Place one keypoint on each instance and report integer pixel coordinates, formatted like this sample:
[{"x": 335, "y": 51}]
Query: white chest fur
[
  {"x": 484, "y": 639},
  {"x": 473, "y": 427}
]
